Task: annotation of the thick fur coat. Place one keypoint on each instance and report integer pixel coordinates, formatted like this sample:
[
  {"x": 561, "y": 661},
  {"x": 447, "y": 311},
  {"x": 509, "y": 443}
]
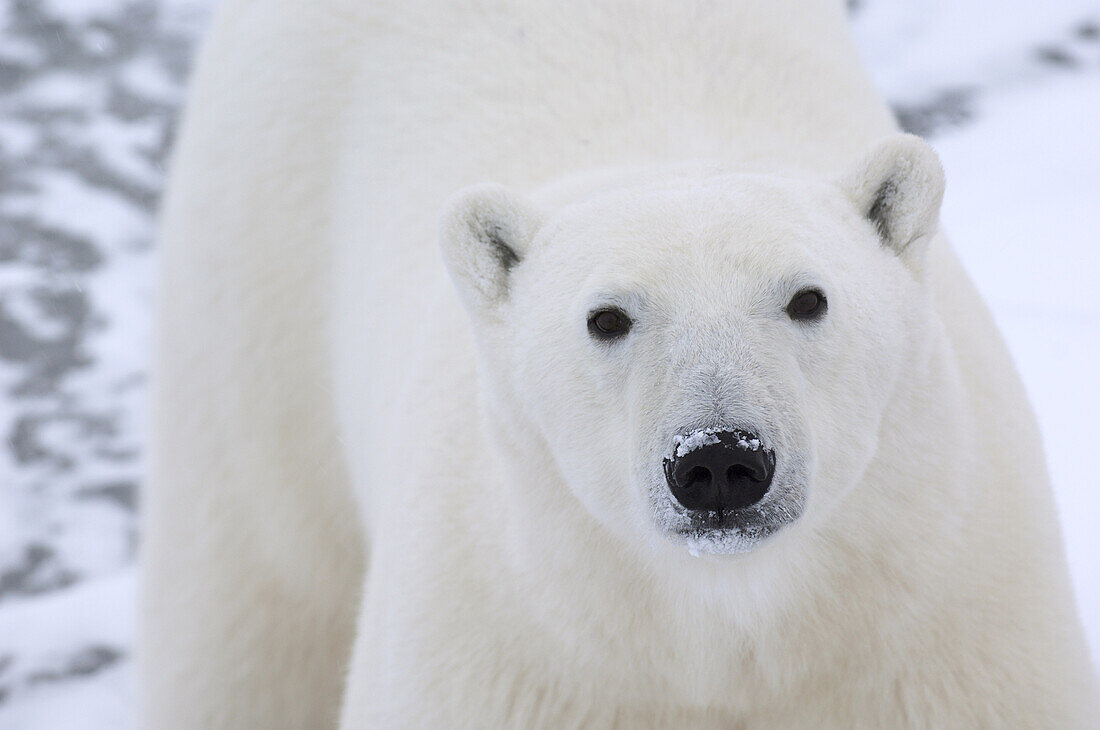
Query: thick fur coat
[{"x": 400, "y": 481}]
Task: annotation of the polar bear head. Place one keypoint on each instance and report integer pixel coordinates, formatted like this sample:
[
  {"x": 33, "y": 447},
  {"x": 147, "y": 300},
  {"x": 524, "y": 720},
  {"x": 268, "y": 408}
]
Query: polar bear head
[{"x": 704, "y": 356}]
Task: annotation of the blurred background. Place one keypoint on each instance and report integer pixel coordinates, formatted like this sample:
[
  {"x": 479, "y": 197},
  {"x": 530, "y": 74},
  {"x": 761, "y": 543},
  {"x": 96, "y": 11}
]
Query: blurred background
[{"x": 1008, "y": 92}]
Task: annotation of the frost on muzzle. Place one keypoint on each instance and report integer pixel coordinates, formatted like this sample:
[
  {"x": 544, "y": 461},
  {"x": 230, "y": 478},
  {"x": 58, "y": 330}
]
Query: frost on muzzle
[{"x": 717, "y": 470}]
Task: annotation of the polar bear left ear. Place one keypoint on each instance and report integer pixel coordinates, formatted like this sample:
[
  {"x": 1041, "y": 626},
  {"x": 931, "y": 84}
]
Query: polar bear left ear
[
  {"x": 484, "y": 233},
  {"x": 898, "y": 187}
]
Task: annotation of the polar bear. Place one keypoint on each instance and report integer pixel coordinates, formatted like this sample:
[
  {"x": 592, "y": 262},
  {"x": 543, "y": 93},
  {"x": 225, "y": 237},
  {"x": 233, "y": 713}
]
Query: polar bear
[{"x": 584, "y": 365}]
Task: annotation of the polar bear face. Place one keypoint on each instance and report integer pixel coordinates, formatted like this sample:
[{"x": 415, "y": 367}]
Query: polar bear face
[{"x": 706, "y": 358}]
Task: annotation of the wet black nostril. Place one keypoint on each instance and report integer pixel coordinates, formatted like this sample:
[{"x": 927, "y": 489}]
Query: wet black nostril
[
  {"x": 744, "y": 465},
  {"x": 740, "y": 471},
  {"x": 698, "y": 478}
]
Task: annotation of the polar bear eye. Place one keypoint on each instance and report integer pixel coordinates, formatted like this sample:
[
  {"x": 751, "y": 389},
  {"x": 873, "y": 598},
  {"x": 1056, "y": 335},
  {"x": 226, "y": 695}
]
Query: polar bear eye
[
  {"x": 608, "y": 324},
  {"x": 807, "y": 304}
]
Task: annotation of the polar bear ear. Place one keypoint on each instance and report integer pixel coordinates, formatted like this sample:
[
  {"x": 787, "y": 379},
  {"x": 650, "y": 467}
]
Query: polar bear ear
[
  {"x": 898, "y": 187},
  {"x": 484, "y": 233}
]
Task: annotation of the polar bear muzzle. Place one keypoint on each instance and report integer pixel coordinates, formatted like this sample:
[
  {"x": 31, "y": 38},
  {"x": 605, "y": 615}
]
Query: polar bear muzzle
[{"x": 717, "y": 470}]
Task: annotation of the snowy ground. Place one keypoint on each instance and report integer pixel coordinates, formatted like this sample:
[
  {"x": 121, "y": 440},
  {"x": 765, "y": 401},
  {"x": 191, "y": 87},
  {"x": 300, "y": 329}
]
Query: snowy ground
[{"x": 1008, "y": 92}]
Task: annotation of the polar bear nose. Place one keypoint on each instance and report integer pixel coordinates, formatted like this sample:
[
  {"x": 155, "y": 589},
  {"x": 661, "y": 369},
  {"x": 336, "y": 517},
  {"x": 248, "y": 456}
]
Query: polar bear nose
[{"x": 719, "y": 470}]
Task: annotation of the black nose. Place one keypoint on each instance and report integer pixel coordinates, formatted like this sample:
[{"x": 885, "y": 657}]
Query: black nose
[{"x": 719, "y": 470}]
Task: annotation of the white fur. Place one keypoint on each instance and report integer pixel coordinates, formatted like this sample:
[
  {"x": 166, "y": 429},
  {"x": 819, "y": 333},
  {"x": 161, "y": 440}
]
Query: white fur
[{"x": 448, "y": 493}]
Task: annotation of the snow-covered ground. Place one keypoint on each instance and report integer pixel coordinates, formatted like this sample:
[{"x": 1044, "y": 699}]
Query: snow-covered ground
[
  {"x": 89, "y": 95},
  {"x": 1008, "y": 91}
]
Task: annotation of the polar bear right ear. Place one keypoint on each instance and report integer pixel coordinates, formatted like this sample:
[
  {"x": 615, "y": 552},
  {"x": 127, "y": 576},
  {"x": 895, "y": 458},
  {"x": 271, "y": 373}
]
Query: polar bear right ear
[
  {"x": 484, "y": 233},
  {"x": 898, "y": 187}
]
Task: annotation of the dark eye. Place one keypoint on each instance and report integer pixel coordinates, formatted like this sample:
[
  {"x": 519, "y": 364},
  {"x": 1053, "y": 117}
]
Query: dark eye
[
  {"x": 807, "y": 304},
  {"x": 608, "y": 324}
]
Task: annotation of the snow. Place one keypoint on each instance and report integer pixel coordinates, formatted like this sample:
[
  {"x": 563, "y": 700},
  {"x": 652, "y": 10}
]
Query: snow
[
  {"x": 90, "y": 99},
  {"x": 104, "y": 215},
  {"x": 686, "y": 443},
  {"x": 695, "y": 439},
  {"x": 1007, "y": 92},
  {"x": 50, "y": 685},
  {"x": 748, "y": 444},
  {"x": 916, "y": 48},
  {"x": 82, "y": 12}
]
